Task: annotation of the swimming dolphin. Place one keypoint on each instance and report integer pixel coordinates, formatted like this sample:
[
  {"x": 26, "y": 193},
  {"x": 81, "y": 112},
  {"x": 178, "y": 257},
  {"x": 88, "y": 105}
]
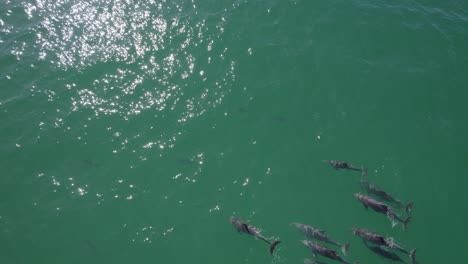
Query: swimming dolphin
[
  {"x": 242, "y": 227},
  {"x": 385, "y": 253},
  {"x": 344, "y": 165},
  {"x": 324, "y": 251},
  {"x": 378, "y": 192},
  {"x": 370, "y": 236},
  {"x": 314, "y": 233},
  {"x": 381, "y": 208}
]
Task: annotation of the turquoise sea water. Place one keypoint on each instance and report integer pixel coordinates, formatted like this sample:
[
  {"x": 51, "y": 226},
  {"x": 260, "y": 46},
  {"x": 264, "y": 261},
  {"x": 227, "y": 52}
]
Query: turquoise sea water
[{"x": 131, "y": 130}]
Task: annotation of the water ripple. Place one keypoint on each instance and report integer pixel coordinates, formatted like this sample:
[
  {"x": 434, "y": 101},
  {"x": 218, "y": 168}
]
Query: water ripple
[
  {"x": 132, "y": 57},
  {"x": 455, "y": 12}
]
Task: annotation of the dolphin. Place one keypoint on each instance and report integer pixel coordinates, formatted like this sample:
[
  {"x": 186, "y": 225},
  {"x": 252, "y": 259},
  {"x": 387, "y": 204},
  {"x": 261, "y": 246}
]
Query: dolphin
[
  {"x": 324, "y": 251},
  {"x": 378, "y": 192},
  {"x": 314, "y": 233},
  {"x": 242, "y": 227},
  {"x": 381, "y": 208},
  {"x": 370, "y": 236},
  {"x": 385, "y": 253},
  {"x": 344, "y": 165}
]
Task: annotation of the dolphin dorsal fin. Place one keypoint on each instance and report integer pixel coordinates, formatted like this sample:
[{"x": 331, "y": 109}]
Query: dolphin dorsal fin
[{"x": 245, "y": 227}]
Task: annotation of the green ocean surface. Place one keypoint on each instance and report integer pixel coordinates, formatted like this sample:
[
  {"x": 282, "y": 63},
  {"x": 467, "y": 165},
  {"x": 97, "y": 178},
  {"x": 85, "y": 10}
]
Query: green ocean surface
[{"x": 132, "y": 130}]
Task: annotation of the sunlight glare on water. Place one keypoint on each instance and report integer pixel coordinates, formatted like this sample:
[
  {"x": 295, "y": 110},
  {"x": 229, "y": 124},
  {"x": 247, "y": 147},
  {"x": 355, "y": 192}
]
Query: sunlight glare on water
[{"x": 162, "y": 48}]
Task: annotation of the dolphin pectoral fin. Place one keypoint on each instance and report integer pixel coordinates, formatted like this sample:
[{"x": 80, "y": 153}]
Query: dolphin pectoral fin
[
  {"x": 344, "y": 248},
  {"x": 366, "y": 207},
  {"x": 392, "y": 220}
]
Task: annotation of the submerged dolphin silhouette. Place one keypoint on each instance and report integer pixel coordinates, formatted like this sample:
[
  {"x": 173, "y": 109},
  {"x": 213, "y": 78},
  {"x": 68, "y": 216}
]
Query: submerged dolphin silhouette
[
  {"x": 370, "y": 236},
  {"x": 381, "y": 208},
  {"x": 242, "y": 227},
  {"x": 344, "y": 165},
  {"x": 315, "y": 233}
]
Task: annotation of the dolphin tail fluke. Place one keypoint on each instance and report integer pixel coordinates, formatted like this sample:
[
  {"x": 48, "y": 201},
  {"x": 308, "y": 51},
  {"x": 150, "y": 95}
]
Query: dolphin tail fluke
[
  {"x": 409, "y": 208},
  {"x": 412, "y": 256},
  {"x": 273, "y": 246},
  {"x": 405, "y": 222},
  {"x": 344, "y": 248}
]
